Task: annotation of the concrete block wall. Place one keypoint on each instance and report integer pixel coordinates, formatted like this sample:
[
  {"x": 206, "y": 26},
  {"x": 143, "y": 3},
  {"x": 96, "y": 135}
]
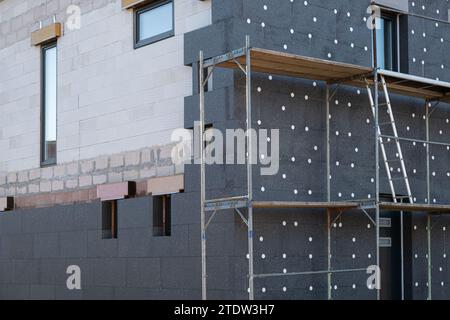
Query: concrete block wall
[
  {"x": 136, "y": 165},
  {"x": 111, "y": 98},
  {"x": 38, "y": 245}
]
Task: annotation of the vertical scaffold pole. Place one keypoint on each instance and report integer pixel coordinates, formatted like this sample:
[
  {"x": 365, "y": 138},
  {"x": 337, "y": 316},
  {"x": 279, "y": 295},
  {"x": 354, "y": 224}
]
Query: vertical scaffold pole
[
  {"x": 330, "y": 297},
  {"x": 429, "y": 257},
  {"x": 377, "y": 150},
  {"x": 377, "y": 180},
  {"x": 427, "y": 129},
  {"x": 202, "y": 173},
  {"x": 248, "y": 88},
  {"x": 328, "y": 181},
  {"x": 429, "y": 262},
  {"x": 328, "y": 184},
  {"x": 402, "y": 254}
]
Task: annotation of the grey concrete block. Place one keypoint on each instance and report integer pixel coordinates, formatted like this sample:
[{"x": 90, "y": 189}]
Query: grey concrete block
[
  {"x": 73, "y": 244},
  {"x": 46, "y": 245},
  {"x": 109, "y": 272},
  {"x": 135, "y": 213},
  {"x": 98, "y": 247},
  {"x": 53, "y": 271},
  {"x": 136, "y": 294},
  {"x": 144, "y": 272},
  {"x": 17, "y": 292},
  {"x": 10, "y": 223},
  {"x": 42, "y": 292},
  {"x": 62, "y": 293},
  {"x": 18, "y": 246},
  {"x": 135, "y": 242},
  {"x": 189, "y": 279},
  {"x": 26, "y": 271}
]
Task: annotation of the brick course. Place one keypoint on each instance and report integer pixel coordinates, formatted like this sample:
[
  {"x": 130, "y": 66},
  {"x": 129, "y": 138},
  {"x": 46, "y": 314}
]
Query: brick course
[{"x": 121, "y": 167}]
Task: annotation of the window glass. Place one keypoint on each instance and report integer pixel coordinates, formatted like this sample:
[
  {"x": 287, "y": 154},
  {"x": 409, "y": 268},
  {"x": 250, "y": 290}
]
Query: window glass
[
  {"x": 381, "y": 45},
  {"x": 389, "y": 44},
  {"x": 386, "y": 44},
  {"x": 155, "y": 21},
  {"x": 50, "y": 101}
]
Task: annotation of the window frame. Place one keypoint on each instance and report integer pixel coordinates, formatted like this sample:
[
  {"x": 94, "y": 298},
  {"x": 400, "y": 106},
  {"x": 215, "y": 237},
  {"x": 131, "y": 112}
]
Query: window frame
[
  {"x": 162, "y": 220},
  {"x": 52, "y": 161},
  {"x": 395, "y": 45},
  {"x": 159, "y": 37},
  {"x": 110, "y": 220}
]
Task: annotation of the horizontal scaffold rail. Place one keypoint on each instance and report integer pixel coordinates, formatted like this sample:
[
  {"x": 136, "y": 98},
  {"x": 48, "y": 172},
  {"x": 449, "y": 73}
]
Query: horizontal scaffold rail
[
  {"x": 305, "y": 205},
  {"x": 414, "y": 207},
  {"x": 242, "y": 202},
  {"x": 307, "y": 273},
  {"x": 226, "y": 204}
]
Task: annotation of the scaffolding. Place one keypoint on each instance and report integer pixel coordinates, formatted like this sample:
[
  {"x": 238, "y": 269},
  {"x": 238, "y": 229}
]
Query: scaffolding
[{"x": 333, "y": 74}]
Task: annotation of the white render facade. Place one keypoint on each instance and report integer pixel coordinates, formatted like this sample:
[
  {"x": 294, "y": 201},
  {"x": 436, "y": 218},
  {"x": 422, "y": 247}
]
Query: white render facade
[{"x": 116, "y": 105}]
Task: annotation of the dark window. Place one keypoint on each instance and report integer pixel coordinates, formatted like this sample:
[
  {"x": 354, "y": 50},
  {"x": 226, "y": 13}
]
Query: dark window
[
  {"x": 49, "y": 104},
  {"x": 209, "y": 84},
  {"x": 154, "y": 23},
  {"x": 161, "y": 216},
  {"x": 208, "y": 135},
  {"x": 387, "y": 42},
  {"x": 109, "y": 219}
]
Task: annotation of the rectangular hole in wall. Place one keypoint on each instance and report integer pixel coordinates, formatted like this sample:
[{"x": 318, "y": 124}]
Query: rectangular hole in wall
[
  {"x": 162, "y": 216},
  {"x": 109, "y": 219},
  {"x": 209, "y": 84},
  {"x": 208, "y": 135}
]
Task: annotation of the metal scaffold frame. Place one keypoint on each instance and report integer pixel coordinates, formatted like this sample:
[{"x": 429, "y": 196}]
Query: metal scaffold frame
[{"x": 249, "y": 60}]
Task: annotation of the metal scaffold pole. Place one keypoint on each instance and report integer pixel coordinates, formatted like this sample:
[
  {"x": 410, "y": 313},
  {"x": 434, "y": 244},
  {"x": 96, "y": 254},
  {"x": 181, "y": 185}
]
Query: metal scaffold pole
[
  {"x": 402, "y": 255},
  {"x": 377, "y": 156},
  {"x": 377, "y": 180},
  {"x": 427, "y": 132},
  {"x": 248, "y": 87},
  {"x": 202, "y": 174},
  {"x": 429, "y": 265},
  {"x": 328, "y": 184},
  {"x": 328, "y": 177},
  {"x": 329, "y": 254}
]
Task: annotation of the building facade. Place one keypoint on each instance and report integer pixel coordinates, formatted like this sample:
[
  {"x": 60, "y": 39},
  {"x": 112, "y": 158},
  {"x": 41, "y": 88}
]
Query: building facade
[{"x": 126, "y": 77}]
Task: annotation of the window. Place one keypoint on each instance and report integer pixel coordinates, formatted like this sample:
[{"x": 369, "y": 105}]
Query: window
[
  {"x": 49, "y": 104},
  {"x": 161, "y": 216},
  {"x": 209, "y": 138},
  {"x": 209, "y": 84},
  {"x": 154, "y": 23},
  {"x": 387, "y": 42},
  {"x": 109, "y": 219}
]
